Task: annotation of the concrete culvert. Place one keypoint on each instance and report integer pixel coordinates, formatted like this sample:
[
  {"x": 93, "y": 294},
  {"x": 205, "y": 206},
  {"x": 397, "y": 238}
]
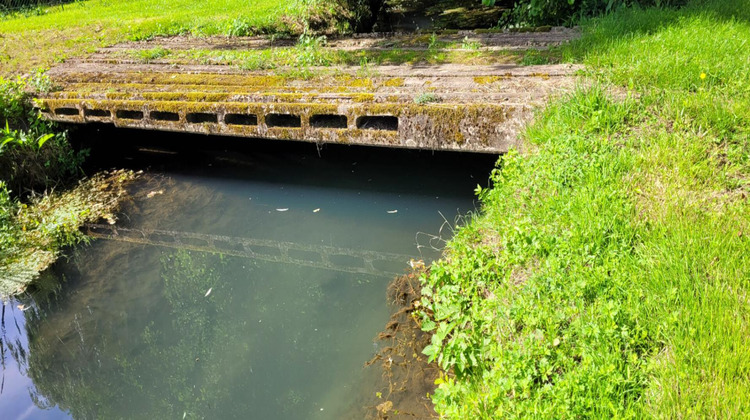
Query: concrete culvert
[
  {"x": 383, "y": 122},
  {"x": 100, "y": 113},
  {"x": 328, "y": 121},
  {"x": 201, "y": 117},
  {"x": 129, "y": 115},
  {"x": 67, "y": 111},
  {"x": 164, "y": 116},
  {"x": 241, "y": 119},
  {"x": 283, "y": 120}
]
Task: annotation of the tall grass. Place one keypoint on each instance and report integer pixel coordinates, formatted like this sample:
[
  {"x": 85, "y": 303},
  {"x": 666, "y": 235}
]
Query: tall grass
[{"x": 607, "y": 275}]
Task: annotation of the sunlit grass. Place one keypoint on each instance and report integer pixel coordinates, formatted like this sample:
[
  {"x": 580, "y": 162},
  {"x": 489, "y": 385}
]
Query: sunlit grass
[
  {"x": 608, "y": 273},
  {"x": 74, "y": 29}
]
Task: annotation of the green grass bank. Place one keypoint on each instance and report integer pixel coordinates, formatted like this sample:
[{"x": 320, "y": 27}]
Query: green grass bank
[
  {"x": 61, "y": 32},
  {"x": 607, "y": 273}
]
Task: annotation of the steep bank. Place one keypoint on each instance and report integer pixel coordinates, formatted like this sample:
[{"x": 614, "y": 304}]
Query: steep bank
[{"x": 607, "y": 273}]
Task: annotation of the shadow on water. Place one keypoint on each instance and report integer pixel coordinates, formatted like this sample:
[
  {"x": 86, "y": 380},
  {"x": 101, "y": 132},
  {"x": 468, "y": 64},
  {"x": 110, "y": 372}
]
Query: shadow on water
[
  {"x": 188, "y": 308},
  {"x": 334, "y": 166}
]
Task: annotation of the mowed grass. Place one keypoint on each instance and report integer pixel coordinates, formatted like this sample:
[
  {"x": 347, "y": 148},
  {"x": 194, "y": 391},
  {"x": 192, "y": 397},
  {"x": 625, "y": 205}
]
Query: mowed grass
[
  {"x": 607, "y": 275},
  {"x": 67, "y": 31}
]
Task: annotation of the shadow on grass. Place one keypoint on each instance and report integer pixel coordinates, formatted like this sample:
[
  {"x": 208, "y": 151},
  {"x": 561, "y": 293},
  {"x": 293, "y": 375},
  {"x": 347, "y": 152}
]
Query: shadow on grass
[{"x": 629, "y": 22}]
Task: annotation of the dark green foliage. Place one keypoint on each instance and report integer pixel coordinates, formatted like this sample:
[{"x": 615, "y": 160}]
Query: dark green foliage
[
  {"x": 566, "y": 12},
  {"x": 7, "y": 210},
  {"x": 363, "y": 14},
  {"x": 26, "y": 166},
  {"x": 32, "y": 154}
]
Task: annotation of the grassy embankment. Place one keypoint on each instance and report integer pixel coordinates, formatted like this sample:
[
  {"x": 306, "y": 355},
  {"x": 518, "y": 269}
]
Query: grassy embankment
[
  {"x": 35, "y": 156},
  {"x": 607, "y": 275}
]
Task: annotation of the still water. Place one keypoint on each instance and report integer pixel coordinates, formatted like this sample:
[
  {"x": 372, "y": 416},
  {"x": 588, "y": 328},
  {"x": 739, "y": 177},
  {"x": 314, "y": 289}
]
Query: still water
[{"x": 237, "y": 284}]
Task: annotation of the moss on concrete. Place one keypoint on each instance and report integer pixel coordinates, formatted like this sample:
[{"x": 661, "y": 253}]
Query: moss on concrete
[
  {"x": 394, "y": 82},
  {"x": 487, "y": 80}
]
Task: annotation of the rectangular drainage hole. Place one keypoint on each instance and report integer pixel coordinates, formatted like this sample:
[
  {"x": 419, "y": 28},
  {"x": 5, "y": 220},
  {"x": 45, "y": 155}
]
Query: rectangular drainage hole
[
  {"x": 380, "y": 122},
  {"x": 67, "y": 111},
  {"x": 241, "y": 119},
  {"x": 129, "y": 115},
  {"x": 201, "y": 117},
  {"x": 164, "y": 116},
  {"x": 283, "y": 120},
  {"x": 328, "y": 121},
  {"x": 101, "y": 113}
]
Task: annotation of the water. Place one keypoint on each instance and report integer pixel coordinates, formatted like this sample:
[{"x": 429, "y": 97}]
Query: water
[{"x": 245, "y": 284}]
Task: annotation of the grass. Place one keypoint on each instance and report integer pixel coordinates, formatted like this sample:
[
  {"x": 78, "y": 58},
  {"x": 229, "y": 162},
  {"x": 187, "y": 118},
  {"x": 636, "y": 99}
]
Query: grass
[
  {"x": 32, "y": 234},
  {"x": 147, "y": 56},
  {"x": 69, "y": 31},
  {"x": 607, "y": 274}
]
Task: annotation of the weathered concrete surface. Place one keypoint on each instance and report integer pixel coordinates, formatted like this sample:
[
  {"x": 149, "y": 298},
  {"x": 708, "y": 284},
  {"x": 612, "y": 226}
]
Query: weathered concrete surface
[
  {"x": 439, "y": 107},
  {"x": 507, "y": 41}
]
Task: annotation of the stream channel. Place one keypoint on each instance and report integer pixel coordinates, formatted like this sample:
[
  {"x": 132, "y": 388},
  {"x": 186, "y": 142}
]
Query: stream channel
[{"x": 245, "y": 279}]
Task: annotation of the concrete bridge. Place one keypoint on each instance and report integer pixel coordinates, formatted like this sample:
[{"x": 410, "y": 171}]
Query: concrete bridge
[{"x": 448, "y": 106}]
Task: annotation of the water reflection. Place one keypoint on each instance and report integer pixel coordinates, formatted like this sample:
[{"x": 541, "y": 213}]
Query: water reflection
[
  {"x": 200, "y": 326},
  {"x": 271, "y": 344}
]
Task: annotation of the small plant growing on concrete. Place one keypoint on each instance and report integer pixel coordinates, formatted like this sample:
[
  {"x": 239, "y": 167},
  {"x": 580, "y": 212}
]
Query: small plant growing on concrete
[
  {"x": 147, "y": 56},
  {"x": 310, "y": 51},
  {"x": 469, "y": 44},
  {"x": 426, "y": 98}
]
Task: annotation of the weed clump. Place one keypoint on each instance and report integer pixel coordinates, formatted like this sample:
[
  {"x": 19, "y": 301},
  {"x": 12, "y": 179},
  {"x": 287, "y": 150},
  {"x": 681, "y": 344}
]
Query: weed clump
[
  {"x": 150, "y": 55},
  {"x": 426, "y": 98},
  {"x": 32, "y": 234}
]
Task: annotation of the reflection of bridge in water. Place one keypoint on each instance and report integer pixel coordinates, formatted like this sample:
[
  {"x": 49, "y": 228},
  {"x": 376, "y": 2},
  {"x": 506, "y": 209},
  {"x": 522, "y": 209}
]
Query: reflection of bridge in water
[{"x": 317, "y": 256}]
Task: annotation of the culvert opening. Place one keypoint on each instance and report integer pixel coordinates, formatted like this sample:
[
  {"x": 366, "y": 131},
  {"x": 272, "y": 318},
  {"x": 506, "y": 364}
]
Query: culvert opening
[
  {"x": 67, "y": 111},
  {"x": 201, "y": 117},
  {"x": 241, "y": 119},
  {"x": 283, "y": 120},
  {"x": 164, "y": 116},
  {"x": 129, "y": 115},
  {"x": 100, "y": 113},
  {"x": 328, "y": 121},
  {"x": 378, "y": 122}
]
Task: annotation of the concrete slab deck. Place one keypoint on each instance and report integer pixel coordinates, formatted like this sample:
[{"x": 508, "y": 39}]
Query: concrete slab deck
[{"x": 477, "y": 108}]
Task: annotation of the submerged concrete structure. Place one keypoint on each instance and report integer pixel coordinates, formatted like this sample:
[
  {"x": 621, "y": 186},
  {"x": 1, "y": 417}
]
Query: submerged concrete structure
[{"x": 477, "y": 108}]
